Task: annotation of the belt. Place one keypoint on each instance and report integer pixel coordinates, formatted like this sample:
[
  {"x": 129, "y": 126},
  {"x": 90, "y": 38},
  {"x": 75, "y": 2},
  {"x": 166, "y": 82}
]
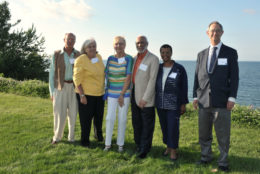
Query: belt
[{"x": 68, "y": 81}]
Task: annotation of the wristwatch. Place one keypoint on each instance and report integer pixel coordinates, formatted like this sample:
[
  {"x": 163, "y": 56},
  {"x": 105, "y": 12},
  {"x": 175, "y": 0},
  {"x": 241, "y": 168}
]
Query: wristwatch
[{"x": 82, "y": 95}]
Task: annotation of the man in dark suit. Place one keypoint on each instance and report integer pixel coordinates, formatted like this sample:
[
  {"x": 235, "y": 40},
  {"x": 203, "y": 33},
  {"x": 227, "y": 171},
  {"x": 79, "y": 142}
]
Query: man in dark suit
[{"x": 215, "y": 90}]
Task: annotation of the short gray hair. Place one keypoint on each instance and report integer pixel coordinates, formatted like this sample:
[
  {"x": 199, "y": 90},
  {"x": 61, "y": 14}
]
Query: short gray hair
[
  {"x": 66, "y": 34},
  {"x": 85, "y": 44},
  {"x": 118, "y": 38},
  {"x": 216, "y": 22}
]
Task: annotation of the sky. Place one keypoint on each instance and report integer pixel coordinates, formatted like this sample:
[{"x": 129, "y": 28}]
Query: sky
[{"x": 180, "y": 23}]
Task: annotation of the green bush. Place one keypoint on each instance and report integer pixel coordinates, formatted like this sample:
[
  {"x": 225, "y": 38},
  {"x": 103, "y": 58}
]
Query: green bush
[
  {"x": 241, "y": 115},
  {"x": 34, "y": 88},
  {"x": 246, "y": 115},
  {"x": 7, "y": 85}
]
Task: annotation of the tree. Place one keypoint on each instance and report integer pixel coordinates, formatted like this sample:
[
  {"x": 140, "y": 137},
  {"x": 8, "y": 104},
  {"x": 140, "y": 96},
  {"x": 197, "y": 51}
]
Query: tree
[{"x": 21, "y": 52}]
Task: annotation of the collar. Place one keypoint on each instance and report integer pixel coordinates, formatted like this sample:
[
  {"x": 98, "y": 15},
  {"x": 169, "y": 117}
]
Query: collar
[
  {"x": 218, "y": 45},
  {"x": 73, "y": 50}
]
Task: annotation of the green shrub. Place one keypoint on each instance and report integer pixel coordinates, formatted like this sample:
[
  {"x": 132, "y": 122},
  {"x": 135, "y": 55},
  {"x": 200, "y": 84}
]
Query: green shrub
[
  {"x": 241, "y": 115},
  {"x": 34, "y": 88},
  {"x": 246, "y": 115},
  {"x": 7, "y": 85}
]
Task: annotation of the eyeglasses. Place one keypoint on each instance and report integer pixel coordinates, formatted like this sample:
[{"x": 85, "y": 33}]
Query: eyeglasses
[{"x": 217, "y": 31}]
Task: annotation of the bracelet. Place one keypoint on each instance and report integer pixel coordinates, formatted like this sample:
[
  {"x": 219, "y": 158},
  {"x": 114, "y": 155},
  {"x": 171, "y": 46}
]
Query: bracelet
[{"x": 82, "y": 95}]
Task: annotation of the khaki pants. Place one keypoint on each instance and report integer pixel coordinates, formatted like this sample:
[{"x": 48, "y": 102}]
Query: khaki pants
[{"x": 64, "y": 104}]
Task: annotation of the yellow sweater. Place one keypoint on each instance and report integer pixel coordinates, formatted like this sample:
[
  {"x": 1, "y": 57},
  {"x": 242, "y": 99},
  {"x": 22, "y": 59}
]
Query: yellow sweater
[{"x": 90, "y": 75}]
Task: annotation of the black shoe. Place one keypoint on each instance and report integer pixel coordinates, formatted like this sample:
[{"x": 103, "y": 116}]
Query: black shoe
[
  {"x": 142, "y": 155},
  {"x": 85, "y": 144},
  {"x": 202, "y": 162},
  {"x": 223, "y": 168},
  {"x": 138, "y": 150},
  {"x": 173, "y": 159},
  {"x": 99, "y": 138}
]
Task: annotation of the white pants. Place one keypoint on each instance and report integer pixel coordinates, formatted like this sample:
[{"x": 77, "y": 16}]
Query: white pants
[
  {"x": 112, "y": 106},
  {"x": 64, "y": 103}
]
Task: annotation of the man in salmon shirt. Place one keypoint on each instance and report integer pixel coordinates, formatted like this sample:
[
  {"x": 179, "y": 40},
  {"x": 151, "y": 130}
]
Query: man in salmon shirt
[{"x": 145, "y": 70}]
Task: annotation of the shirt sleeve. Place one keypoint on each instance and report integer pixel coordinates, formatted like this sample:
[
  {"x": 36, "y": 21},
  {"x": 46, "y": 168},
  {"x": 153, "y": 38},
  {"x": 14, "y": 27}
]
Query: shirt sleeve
[
  {"x": 232, "y": 99},
  {"x": 129, "y": 65},
  {"x": 51, "y": 76},
  {"x": 184, "y": 87},
  {"x": 77, "y": 74},
  {"x": 107, "y": 64}
]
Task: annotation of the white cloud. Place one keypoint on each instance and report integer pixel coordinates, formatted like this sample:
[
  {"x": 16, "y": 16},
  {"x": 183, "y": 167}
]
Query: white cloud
[
  {"x": 51, "y": 9},
  {"x": 51, "y": 18},
  {"x": 249, "y": 11}
]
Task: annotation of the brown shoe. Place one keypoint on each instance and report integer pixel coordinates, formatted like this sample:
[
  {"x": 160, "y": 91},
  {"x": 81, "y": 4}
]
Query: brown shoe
[
  {"x": 173, "y": 154},
  {"x": 166, "y": 152}
]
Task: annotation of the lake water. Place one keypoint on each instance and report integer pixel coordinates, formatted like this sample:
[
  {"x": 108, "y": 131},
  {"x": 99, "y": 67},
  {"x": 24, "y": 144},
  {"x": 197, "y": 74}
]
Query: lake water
[{"x": 249, "y": 82}]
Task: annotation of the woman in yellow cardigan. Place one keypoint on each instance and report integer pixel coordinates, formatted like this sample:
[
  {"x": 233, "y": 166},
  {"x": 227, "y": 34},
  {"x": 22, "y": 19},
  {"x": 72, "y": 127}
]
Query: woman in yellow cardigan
[{"x": 89, "y": 80}]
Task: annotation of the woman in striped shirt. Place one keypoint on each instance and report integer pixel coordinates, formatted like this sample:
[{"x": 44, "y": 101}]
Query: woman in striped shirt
[{"x": 118, "y": 75}]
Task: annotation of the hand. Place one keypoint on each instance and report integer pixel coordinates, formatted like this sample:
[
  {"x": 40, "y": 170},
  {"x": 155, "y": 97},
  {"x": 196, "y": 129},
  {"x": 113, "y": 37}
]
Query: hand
[
  {"x": 83, "y": 100},
  {"x": 183, "y": 109},
  {"x": 195, "y": 104},
  {"x": 230, "y": 105},
  {"x": 51, "y": 98},
  {"x": 121, "y": 100},
  {"x": 142, "y": 103}
]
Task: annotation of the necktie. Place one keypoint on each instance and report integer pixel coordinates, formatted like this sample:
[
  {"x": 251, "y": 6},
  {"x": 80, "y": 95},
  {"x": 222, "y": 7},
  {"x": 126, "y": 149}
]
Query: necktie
[{"x": 213, "y": 59}]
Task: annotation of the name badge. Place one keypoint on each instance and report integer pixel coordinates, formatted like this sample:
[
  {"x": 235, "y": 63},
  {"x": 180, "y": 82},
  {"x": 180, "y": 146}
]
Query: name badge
[
  {"x": 173, "y": 75},
  {"x": 143, "y": 67},
  {"x": 121, "y": 60},
  {"x": 222, "y": 61},
  {"x": 94, "y": 60},
  {"x": 72, "y": 61}
]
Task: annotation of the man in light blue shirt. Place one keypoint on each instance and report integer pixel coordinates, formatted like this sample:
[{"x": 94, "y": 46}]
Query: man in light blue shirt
[{"x": 62, "y": 89}]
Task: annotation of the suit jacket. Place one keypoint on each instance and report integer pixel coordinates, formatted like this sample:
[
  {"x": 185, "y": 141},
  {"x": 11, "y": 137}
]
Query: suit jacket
[
  {"x": 145, "y": 79},
  {"x": 213, "y": 90}
]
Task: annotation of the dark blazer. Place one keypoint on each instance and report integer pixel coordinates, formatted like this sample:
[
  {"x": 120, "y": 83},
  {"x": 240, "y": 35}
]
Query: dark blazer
[
  {"x": 214, "y": 89},
  {"x": 175, "y": 90}
]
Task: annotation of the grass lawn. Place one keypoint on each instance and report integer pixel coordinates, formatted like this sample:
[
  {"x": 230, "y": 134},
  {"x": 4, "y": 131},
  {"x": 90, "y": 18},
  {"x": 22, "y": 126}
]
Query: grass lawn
[{"x": 26, "y": 129}]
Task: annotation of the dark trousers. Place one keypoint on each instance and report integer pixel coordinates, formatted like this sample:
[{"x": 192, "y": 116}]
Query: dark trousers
[
  {"x": 93, "y": 108},
  {"x": 143, "y": 121},
  {"x": 170, "y": 121}
]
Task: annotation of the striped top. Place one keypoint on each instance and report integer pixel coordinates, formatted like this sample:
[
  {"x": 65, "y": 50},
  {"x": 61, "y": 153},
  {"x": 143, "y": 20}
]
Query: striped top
[{"x": 116, "y": 71}]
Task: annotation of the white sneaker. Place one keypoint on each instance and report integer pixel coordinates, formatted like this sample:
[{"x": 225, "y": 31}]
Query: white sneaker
[
  {"x": 107, "y": 148},
  {"x": 120, "y": 149}
]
